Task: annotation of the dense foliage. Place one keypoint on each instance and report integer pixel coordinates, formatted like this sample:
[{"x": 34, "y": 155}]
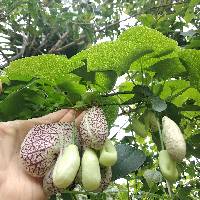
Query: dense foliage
[{"x": 162, "y": 75}]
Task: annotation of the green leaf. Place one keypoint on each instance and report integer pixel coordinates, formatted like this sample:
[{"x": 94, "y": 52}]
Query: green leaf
[
  {"x": 194, "y": 43},
  {"x": 105, "y": 81},
  {"x": 158, "y": 104},
  {"x": 111, "y": 109},
  {"x": 191, "y": 59},
  {"x": 19, "y": 101},
  {"x": 142, "y": 36},
  {"x": 167, "y": 68},
  {"x": 107, "y": 56},
  {"x": 131, "y": 45},
  {"x": 190, "y": 93},
  {"x": 129, "y": 160},
  {"x": 189, "y": 14},
  {"x": 173, "y": 88},
  {"x": 53, "y": 197},
  {"x": 184, "y": 193},
  {"x": 126, "y": 86},
  {"x": 149, "y": 60},
  {"x": 49, "y": 67},
  {"x": 147, "y": 19},
  {"x": 66, "y": 196}
]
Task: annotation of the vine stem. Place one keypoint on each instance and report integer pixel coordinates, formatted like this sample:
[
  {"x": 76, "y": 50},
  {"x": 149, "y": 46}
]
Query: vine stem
[
  {"x": 128, "y": 189},
  {"x": 160, "y": 134},
  {"x": 169, "y": 188},
  {"x": 162, "y": 145}
]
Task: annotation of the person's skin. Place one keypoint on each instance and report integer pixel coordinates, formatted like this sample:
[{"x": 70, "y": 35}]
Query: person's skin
[{"x": 15, "y": 183}]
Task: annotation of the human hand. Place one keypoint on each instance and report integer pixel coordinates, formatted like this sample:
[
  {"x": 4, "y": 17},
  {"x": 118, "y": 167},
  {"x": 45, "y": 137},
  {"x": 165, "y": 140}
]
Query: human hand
[{"x": 15, "y": 183}]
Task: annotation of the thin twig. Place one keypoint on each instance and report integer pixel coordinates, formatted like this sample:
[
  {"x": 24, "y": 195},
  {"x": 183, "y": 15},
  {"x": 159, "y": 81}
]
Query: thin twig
[
  {"x": 116, "y": 93},
  {"x": 160, "y": 134},
  {"x": 127, "y": 183},
  {"x": 120, "y": 129}
]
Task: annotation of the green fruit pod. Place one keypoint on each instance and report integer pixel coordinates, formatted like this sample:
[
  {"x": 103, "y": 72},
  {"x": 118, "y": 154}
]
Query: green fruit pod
[
  {"x": 139, "y": 128},
  {"x": 91, "y": 175},
  {"x": 108, "y": 154},
  {"x": 173, "y": 139},
  {"x": 167, "y": 166},
  {"x": 66, "y": 166},
  {"x": 151, "y": 122}
]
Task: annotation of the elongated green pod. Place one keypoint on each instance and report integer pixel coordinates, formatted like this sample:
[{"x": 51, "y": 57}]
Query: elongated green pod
[
  {"x": 151, "y": 122},
  {"x": 167, "y": 166},
  {"x": 108, "y": 154},
  {"x": 138, "y": 127},
  {"x": 66, "y": 166},
  {"x": 91, "y": 176},
  {"x": 173, "y": 139}
]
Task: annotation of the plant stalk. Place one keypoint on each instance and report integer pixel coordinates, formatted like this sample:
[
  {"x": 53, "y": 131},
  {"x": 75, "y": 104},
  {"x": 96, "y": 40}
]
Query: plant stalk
[{"x": 162, "y": 145}]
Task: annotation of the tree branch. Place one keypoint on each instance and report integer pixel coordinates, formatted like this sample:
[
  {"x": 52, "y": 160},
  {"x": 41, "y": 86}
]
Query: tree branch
[
  {"x": 70, "y": 44},
  {"x": 5, "y": 56},
  {"x": 117, "y": 93},
  {"x": 59, "y": 42}
]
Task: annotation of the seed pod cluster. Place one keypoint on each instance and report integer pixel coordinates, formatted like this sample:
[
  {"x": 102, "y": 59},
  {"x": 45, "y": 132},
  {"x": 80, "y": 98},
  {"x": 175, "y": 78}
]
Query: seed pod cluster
[
  {"x": 47, "y": 151},
  {"x": 100, "y": 167}
]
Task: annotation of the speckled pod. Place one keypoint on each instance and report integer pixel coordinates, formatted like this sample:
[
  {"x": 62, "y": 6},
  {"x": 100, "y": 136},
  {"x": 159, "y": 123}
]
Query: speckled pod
[
  {"x": 41, "y": 146},
  {"x": 106, "y": 176},
  {"x": 49, "y": 187},
  {"x": 173, "y": 139},
  {"x": 93, "y": 128}
]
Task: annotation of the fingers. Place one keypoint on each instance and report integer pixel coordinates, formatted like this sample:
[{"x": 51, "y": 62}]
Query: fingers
[
  {"x": 50, "y": 118},
  {"x": 23, "y": 126},
  {"x": 79, "y": 119},
  {"x": 72, "y": 115},
  {"x": 69, "y": 116},
  {"x": 64, "y": 115}
]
